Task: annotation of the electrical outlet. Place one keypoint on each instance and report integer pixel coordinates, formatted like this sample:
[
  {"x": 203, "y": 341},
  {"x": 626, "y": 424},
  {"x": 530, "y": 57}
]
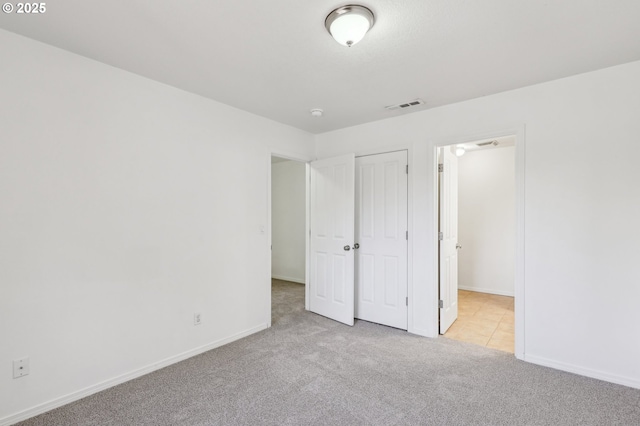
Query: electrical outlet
[
  {"x": 20, "y": 367},
  {"x": 197, "y": 318}
]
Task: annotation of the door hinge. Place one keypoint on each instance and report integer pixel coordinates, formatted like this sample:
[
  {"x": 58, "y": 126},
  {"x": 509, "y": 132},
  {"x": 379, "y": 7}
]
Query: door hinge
[
  {"x": 407, "y": 301},
  {"x": 440, "y": 167},
  {"x": 406, "y": 235},
  {"x": 440, "y": 236},
  {"x": 441, "y": 304},
  {"x": 407, "y": 169}
]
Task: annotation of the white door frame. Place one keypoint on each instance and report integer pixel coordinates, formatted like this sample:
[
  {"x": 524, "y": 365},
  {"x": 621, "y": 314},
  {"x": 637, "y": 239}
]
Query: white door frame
[
  {"x": 303, "y": 159},
  {"x": 519, "y": 284}
]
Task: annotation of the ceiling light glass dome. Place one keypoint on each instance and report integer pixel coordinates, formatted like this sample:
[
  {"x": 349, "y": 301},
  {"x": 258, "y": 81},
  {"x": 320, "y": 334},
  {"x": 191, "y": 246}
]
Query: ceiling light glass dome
[{"x": 348, "y": 24}]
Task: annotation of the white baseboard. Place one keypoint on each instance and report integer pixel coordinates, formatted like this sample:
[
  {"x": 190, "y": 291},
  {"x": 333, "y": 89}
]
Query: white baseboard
[
  {"x": 594, "y": 374},
  {"x": 486, "y": 290},
  {"x": 283, "y": 278},
  {"x": 58, "y": 402}
]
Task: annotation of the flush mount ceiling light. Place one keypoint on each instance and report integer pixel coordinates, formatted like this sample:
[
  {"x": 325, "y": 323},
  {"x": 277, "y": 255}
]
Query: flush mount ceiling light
[
  {"x": 348, "y": 24},
  {"x": 316, "y": 112},
  {"x": 460, "y": 150}
]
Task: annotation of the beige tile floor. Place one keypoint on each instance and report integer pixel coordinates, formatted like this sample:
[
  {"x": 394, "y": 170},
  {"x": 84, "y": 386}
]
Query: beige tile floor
[{"x": 484, "y": 319}]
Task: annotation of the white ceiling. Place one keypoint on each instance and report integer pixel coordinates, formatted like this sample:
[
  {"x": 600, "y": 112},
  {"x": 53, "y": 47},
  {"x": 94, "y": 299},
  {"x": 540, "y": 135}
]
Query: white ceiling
[{"x": 275, "y": 58}]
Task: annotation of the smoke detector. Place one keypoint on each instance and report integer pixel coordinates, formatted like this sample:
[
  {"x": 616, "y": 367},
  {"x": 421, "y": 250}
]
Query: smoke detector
[
  {"x": 405, "y": 105},
  {"x": 316, "y": 112}
]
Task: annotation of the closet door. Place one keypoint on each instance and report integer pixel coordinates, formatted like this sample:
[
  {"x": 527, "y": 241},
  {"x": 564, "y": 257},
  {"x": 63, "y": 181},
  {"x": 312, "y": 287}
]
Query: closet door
[
  {"x": 331, "y": 278},
  {"x": 381, "y": 233}
]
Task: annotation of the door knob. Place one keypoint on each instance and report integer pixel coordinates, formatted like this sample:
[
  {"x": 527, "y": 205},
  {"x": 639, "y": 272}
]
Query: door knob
[
  {"x": 347, "y": 248},
  {"x": 356, "y": 246},
  {"x": 458, "y": 246}
]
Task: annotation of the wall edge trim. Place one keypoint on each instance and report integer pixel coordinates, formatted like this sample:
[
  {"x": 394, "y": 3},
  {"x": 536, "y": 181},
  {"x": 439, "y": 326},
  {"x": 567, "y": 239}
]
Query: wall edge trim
[{"x": 583, "y": 371}]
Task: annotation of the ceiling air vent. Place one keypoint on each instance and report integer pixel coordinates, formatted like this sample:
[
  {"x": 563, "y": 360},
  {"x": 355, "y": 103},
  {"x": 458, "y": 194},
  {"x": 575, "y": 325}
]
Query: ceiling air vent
[{"x": 405, "y": 105}]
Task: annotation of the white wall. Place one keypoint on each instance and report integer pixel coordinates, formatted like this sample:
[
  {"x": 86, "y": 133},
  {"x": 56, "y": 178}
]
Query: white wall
[
  {"x": 582, "y": 204},
  {"x": 125, "y": 207},
  {"x": 487, "y": 220},
  {"x": 288, "y": 215}
]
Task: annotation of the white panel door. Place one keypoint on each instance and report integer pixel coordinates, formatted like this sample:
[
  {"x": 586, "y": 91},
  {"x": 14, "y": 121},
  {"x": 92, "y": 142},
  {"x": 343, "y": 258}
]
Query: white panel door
[
  {"x": 332, "y": 237},
  {"x": 381, "y": 233},
  {"x": 448, "y": 181}
]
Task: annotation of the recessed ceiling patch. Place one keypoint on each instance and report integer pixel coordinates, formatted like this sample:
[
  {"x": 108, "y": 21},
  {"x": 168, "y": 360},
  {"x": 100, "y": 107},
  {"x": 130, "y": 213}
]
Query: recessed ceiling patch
[{"x": 405, "y": 105}]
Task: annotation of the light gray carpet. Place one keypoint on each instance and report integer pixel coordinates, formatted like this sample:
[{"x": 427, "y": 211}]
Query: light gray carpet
[{"x": 308, "y": 370}]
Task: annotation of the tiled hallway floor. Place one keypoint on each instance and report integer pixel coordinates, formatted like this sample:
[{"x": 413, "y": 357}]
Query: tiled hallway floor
[{"x": 484, "y": 319}]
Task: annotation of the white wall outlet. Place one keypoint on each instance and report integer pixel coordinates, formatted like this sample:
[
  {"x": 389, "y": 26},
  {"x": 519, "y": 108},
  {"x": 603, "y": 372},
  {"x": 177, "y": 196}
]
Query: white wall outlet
[
  {"x": 197, "y": 318},
  {"x": 20, "y": 367}
]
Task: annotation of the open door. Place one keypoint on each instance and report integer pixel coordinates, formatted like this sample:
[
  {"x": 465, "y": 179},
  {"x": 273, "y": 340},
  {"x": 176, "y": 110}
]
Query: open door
[
  {"x": 448, "y": 247},
  {"x": 331, "y": 277}
]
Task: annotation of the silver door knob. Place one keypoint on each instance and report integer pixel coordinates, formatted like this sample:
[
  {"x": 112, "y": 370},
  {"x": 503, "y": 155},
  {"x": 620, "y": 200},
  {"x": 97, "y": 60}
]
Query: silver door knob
[
  {"x": 356, "y": 246},
  {"x": 347, "y": 248}
]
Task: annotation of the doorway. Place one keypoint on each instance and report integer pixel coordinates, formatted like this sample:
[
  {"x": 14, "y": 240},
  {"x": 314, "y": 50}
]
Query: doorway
[
  {"x": 288, "y": 239},
  {"x": 477, "y": 240}
]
